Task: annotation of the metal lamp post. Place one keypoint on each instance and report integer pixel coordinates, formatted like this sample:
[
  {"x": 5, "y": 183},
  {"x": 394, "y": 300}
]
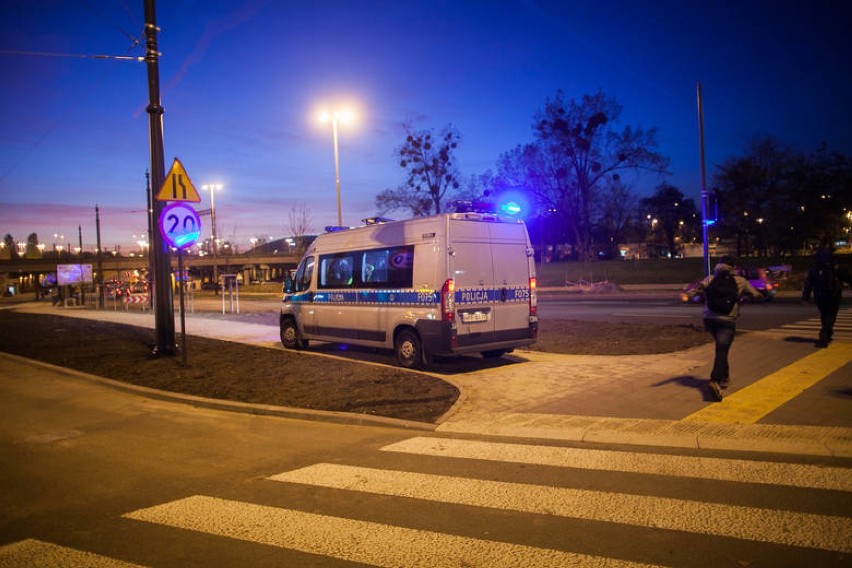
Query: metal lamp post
[
  {"x": 335, "y": 117},
  {"x": 213, "y": 188}
]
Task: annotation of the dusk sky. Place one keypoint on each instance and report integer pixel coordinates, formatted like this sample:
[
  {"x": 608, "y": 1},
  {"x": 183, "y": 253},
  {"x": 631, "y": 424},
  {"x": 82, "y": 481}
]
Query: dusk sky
[{"x": 242, "y": 82}]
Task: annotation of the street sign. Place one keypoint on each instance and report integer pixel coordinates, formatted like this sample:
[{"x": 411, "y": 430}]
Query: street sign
[
  {"x": 180, "y": 225},
  {"x": 177, "y": 186}
]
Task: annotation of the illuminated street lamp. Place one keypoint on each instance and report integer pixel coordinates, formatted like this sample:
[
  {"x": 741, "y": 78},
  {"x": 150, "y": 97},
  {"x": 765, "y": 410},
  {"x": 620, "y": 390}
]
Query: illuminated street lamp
[
  {"x": 335, "y": 117},
  {"x": 213, "y": 188}
]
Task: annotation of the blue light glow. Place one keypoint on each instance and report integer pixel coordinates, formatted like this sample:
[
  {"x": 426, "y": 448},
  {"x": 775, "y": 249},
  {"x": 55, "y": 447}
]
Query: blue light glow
[{"x": 511, "y": 208}]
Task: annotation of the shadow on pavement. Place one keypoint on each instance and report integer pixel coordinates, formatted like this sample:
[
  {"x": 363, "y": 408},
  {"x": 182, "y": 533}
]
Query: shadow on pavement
[
  {"x": 442, "y": 365},
  {"x": 692, "y": 382}
]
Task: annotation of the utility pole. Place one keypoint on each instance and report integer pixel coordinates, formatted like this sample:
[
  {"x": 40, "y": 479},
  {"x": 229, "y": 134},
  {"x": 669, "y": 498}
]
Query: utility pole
[
  {"x": 100, "y": 258},
  {"x": 705, "y": 197},
  {"x": 164, "y": 317}
]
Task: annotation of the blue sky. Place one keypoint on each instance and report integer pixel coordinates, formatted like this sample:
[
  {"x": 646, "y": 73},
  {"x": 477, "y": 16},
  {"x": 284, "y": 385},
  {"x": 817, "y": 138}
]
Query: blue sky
[{"x": 242, "y": 82}]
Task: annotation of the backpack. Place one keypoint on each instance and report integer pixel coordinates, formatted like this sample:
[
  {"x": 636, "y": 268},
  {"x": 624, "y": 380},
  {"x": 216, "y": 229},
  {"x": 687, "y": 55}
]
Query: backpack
[
  {"x": 721, "y": 294},
  {"x": 825, "y": 280}
]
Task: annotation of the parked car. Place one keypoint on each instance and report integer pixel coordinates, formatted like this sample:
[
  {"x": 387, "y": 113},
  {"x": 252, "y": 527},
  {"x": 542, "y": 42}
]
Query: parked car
[{"x": 761, "y": 280}]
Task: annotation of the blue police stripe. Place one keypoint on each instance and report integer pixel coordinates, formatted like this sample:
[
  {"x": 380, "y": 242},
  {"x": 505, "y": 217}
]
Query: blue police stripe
[
  {"x": 463, "y": 297},
  {"x": 376, "y": 297},
  {"x": 468, "y": 296}
]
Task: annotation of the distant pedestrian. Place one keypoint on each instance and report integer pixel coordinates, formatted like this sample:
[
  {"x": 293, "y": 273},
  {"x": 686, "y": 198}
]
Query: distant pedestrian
[
  {"x": 825, "y": 279},
  {"x": 722, "y": 292}
]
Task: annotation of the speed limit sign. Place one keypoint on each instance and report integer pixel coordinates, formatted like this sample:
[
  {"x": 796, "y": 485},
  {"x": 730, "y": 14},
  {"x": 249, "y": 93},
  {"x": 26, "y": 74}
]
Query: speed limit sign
[{"x": 180, "y": 225}]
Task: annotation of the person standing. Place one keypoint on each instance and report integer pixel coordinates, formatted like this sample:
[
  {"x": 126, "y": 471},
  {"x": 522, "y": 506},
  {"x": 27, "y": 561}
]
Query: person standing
[
  {"x": 825, "y": 279},
  {"x": 722, "y": 292}
]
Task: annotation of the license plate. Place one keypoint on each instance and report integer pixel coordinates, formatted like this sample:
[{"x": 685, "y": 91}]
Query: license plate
[{"x": 474, "y": 317}]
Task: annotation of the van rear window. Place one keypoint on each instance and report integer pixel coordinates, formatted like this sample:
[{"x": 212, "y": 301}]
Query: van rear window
[{"x": 391, "y": 267}]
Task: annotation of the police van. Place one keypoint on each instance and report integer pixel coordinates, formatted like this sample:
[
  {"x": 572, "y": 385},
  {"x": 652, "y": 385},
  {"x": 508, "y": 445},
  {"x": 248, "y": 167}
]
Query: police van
[{"x": 447, "y": 284}]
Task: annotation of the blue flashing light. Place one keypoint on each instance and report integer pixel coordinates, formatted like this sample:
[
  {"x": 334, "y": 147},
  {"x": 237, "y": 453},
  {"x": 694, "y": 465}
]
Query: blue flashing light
[
  {"x": 510, "y": 208},
  {"x": 513, "y": 202}
]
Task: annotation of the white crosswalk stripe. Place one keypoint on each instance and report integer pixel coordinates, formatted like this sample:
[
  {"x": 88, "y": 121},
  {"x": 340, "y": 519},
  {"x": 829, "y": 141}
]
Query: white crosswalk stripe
[
  {"x": 38, "y": 554},
  {"x": 809, "y": 328},
  {"x": 357, "y": 541},
  {"x": 750, "y": 523},
  {"x": 759, "y": 524},
  {"x": 743, "y": 471},
  {"x": 367, "y": 541}
]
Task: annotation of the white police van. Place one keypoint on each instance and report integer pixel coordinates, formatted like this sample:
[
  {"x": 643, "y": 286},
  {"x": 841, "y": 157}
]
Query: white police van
[{"x": 448, "y": 284}]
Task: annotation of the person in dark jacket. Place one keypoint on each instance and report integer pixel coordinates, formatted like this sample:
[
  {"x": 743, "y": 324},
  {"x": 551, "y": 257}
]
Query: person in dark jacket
[
  {"x": 825, "y": 280},
  {"x": 722, "y": 326}
]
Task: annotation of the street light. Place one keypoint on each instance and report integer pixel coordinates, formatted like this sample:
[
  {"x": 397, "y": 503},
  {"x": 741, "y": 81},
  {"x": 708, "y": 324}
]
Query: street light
[
  {"x": 213, "y": 188},
  {"x": 335, "y": 117}
]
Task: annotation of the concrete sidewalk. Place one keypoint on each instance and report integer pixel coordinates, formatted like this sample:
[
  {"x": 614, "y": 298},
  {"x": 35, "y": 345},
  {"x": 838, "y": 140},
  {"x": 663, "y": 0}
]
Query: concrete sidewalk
[{"x": 653, "y": 400}]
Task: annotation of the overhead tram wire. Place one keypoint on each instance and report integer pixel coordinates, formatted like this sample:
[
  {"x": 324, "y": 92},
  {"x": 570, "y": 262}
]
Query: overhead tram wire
[{"x": 76, "y": 55}]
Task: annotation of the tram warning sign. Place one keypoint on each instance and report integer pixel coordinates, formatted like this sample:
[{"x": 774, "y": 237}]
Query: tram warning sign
[{"x": 177, "y": 186}]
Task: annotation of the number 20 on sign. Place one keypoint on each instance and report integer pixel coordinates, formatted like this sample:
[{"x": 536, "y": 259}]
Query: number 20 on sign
[{"x": 180, "y": 225}]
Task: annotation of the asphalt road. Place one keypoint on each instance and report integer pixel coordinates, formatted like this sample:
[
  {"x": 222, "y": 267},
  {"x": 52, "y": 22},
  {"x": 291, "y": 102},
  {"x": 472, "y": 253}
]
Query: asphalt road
[
  {"x": 96, "y": 477},
  {"x": 659, "y": 308}
]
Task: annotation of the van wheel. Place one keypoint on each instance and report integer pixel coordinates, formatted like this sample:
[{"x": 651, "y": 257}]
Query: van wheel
[
  {"x": 290, "y": 337},
  {"x": 495, "y": 353},
  {"x": 409, "y": 350}
]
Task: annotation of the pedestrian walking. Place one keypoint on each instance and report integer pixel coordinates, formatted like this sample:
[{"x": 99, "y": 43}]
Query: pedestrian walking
[
  {"x": 722, "y": 292},
  {"x": 825, "y": 280}
]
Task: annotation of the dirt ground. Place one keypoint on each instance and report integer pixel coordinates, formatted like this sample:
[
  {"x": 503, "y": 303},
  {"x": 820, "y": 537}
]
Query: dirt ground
[{"x": 232, "y": 371}]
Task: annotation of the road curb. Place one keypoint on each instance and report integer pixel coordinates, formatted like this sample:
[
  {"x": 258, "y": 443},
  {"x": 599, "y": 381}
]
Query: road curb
[
  {"x": 764, "y": 438},
  {"x": 229, "y": 405}
]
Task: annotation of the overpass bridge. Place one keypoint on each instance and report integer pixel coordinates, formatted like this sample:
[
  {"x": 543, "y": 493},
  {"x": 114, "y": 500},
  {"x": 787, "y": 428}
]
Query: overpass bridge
[{"x": 25, "y": 274}]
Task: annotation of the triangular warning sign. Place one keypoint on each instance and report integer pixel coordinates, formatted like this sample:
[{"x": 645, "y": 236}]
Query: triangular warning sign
[{"x": 177, "y": 186}]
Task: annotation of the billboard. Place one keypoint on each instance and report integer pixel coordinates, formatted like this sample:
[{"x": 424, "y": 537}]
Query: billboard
[{"x": 67, "y": 274}]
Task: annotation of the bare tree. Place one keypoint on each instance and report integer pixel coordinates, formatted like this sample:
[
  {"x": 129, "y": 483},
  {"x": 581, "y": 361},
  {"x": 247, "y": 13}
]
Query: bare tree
[
  {"x": 755, "y": 197},
  {"x": 577, "y": 154},
  {"x": 431, "y": 172},
  {"x": 673, "y": 215},
  {"x": 616, "y": 217},
  {"x": 300, "y": 224}
]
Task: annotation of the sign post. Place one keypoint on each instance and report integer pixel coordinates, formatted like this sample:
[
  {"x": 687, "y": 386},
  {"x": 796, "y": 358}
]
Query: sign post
[{"x": 180, "y": 227}]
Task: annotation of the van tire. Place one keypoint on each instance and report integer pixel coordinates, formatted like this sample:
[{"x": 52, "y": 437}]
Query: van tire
[
  {"x": 409, "y": 349},
  {"x": 290, "y": 336}
]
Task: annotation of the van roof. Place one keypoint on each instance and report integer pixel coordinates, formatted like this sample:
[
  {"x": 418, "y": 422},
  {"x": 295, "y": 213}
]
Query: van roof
[{"x": 465, "y": 216}]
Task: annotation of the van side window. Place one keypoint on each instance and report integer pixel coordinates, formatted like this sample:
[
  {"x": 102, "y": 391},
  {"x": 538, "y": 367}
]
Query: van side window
[
  {"x": 400, "y": 267},
  {"x": 375, "y": 268},
  {"x": 337, "y": 271}
]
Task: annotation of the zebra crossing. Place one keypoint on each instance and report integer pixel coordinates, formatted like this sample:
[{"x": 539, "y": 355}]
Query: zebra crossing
[
  {"x": 795, "y": 526},
  {"x": 809, "y": 328}
]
